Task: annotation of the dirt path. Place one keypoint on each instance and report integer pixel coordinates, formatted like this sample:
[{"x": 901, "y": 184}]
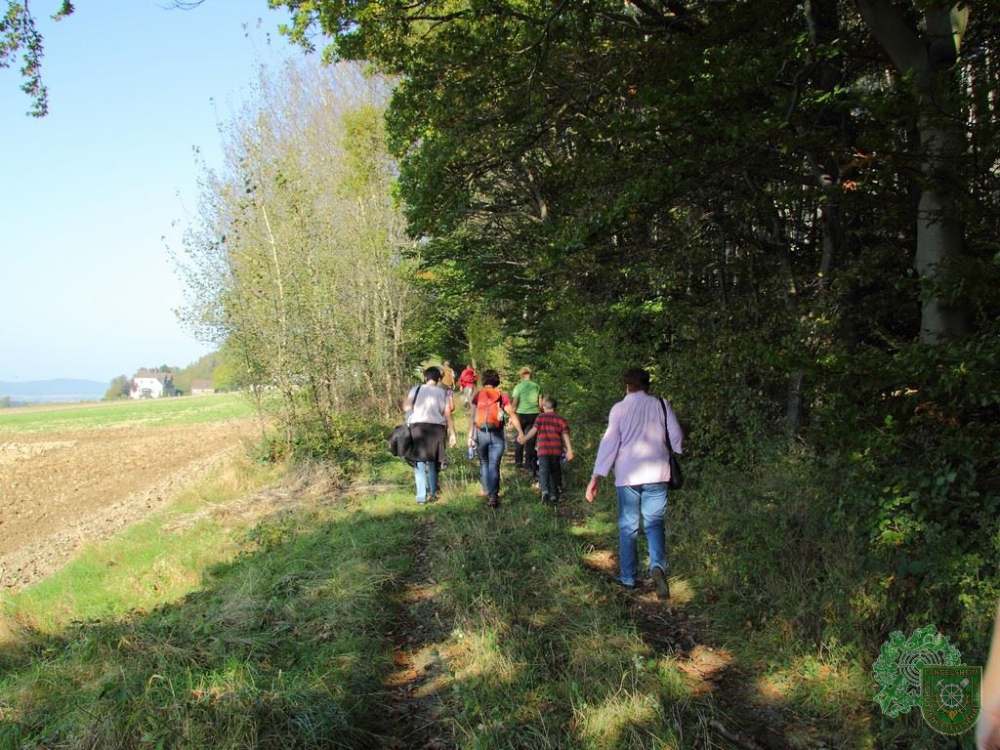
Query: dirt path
[
  {"x": 412, "y": 689},
  {"x": 60, "y": 490},
  {"x": 739, "y": 718}
]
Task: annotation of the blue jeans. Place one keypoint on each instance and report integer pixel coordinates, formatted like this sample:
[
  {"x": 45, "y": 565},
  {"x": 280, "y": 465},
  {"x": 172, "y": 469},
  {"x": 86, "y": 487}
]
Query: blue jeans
[
  {"x": 650, "y": 502},
  {"x": 490, "y": 444},
  {"x": 426, "y": 474}
]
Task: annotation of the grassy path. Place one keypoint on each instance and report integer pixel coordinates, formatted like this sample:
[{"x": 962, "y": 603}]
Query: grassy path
[{"x": 309, "y": 615}]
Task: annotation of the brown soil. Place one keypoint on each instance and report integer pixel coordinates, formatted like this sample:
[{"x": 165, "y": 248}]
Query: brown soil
[{"x": 59, "y": 491}]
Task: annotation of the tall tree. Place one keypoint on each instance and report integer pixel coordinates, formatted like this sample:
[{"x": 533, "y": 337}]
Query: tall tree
[
  {"x": 296, "y": 263},
  {"x": 928, "y": 59}
]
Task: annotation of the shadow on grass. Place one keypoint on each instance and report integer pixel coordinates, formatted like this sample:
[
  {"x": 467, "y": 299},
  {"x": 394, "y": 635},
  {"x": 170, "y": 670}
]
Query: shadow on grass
[{"x": 371, "y": 623}]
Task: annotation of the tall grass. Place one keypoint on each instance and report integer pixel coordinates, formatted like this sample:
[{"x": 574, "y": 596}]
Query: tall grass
[{"x": 293, "y": 630}]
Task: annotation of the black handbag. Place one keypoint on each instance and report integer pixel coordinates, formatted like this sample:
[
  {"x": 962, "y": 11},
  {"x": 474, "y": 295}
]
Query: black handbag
[
  {"x": 401, "y": 440},
  {"x": 676, "y": 475}
]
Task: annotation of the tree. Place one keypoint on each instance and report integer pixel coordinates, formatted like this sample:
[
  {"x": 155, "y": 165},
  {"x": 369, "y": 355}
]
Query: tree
[
  {"x": 19, "y": 36},
  {"x": 120, "y": 387},
  {"x": 296, "y": 264},
  {"x": 929, "y": 60},
  {"x": 536, "y": 142}
]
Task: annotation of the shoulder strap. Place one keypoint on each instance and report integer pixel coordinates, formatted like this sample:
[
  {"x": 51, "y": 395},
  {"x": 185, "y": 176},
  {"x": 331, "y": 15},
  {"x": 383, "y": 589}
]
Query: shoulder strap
[
  {"x": 413, "y": 406},
  {"x": 666, "y": 428}
]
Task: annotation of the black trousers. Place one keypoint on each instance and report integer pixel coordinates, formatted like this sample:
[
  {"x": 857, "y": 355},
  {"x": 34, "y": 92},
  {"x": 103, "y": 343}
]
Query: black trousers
[
  {"x": 550, "y": 476},
  {"x": 524, "y": 455}
]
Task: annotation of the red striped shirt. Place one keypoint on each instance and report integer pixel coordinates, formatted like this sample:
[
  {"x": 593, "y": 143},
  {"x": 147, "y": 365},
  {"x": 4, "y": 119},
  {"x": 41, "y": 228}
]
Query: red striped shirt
[{"x": 551, "y": 427}]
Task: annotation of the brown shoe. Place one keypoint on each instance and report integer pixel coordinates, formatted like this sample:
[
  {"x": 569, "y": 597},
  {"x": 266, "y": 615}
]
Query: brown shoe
[{"x": 493, "y": 501}]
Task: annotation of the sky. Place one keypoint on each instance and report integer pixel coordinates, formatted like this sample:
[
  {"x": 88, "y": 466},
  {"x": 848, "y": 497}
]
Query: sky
[{"x": 94, "y": 194}]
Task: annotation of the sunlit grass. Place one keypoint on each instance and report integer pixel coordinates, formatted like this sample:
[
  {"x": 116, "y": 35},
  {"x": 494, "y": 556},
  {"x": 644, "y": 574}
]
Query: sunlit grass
[
  {"x": 232, "y": 627},
  {"x": 159, "y": 559},
  {"x": 159, "y": 412}
]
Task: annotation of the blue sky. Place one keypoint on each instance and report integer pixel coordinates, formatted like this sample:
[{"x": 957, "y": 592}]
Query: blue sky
[{"x": 92, "y": 194}]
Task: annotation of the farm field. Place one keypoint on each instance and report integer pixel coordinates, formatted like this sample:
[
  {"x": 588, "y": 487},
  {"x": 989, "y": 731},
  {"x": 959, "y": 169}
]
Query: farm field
[{"x": 80, "y": 473}]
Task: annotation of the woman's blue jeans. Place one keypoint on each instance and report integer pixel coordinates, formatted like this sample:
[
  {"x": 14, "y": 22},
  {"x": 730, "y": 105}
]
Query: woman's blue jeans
[
  {"x": 648, "y": 502},
  {"x": 490, "y": 444},
  {"x": 426, "y": 474}
]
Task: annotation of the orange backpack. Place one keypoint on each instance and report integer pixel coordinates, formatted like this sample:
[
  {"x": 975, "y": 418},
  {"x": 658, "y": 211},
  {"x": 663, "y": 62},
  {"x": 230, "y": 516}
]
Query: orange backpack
[{"x": 489, "y": 412}]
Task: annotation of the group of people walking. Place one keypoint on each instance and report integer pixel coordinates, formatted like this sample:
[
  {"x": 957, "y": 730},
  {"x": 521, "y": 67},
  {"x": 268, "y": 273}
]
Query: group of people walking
[{"x": 634, "y": 445}]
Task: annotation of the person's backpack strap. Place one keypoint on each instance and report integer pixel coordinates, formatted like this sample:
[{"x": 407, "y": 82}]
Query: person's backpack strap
[
  {"x": 666, "y": 427},
  {"x": 413, "y": 406}
]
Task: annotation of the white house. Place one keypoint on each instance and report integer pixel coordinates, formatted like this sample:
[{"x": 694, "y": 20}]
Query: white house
[{"x": 149, "y": 384}]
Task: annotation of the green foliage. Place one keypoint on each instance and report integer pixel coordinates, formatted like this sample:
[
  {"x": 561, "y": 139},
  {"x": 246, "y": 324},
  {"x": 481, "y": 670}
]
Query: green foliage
[
  {"x": 120, "y": 388},
  {"x": 296, "y": 265},
  {"x": 19, "y": 35},
  {"x": 488, "y": 343},
  {"x": 346, "y": 441},
  {"x": 726, "y": 195},
  {"x": 203, "y": 369},
  {"x": 922, "y": 480}
]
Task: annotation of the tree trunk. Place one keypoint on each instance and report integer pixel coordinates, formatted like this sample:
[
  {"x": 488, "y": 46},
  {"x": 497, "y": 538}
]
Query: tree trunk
[{"x": 940, "y": 231}]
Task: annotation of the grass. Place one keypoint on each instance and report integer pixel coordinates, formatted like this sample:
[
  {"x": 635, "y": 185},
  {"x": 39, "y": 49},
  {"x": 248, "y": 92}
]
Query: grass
[
  {"x": 183, "y": 410},
  {"x": 359, "y": 620}
]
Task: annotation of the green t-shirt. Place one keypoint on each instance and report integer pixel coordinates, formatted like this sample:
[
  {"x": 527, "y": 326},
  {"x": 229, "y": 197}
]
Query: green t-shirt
[{"x": 527, "y": 392}]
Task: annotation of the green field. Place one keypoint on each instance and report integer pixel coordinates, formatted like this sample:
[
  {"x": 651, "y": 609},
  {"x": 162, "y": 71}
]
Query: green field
[{"x": 148, "y": 413}]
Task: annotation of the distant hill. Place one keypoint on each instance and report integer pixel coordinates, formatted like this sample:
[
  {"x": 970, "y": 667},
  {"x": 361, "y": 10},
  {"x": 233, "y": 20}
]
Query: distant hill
[{"x": 58, "y": 387}]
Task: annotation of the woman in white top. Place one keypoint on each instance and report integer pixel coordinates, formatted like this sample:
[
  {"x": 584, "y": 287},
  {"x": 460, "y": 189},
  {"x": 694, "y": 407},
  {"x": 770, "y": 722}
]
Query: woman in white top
[{"x": 429, "y": 415}]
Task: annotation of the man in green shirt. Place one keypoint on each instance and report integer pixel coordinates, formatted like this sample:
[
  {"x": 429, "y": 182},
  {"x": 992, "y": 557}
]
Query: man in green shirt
[{"x": 526, "y": 398}]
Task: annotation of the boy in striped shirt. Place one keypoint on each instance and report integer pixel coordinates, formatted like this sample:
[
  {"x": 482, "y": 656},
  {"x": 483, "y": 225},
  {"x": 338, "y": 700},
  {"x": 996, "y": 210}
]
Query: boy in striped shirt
[{"x": 552, "y": 439}]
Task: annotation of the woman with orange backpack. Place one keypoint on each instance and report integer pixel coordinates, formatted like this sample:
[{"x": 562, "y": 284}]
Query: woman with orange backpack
[{"x": 486, "y": 432}]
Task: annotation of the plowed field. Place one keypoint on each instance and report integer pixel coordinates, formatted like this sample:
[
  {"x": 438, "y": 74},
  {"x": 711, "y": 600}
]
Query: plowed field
[{"x": 62, "y": 488}]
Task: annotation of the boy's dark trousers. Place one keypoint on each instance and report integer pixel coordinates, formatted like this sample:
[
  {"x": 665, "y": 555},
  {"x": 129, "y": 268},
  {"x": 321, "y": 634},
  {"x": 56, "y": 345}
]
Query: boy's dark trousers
[{"x": 550, "y": 477}]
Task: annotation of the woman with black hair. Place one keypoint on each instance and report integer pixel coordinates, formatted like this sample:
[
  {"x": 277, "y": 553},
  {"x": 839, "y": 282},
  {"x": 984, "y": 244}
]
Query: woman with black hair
[{"x": 429, "y": 415}]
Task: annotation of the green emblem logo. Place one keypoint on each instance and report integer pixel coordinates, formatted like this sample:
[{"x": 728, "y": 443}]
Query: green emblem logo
[
  {"x": 898, "y": 667},
  {"x": 950, "y": 697}
]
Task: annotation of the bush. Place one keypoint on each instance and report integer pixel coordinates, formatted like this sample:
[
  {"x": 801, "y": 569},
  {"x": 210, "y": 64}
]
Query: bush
[{"x": 919, "y": 438}]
